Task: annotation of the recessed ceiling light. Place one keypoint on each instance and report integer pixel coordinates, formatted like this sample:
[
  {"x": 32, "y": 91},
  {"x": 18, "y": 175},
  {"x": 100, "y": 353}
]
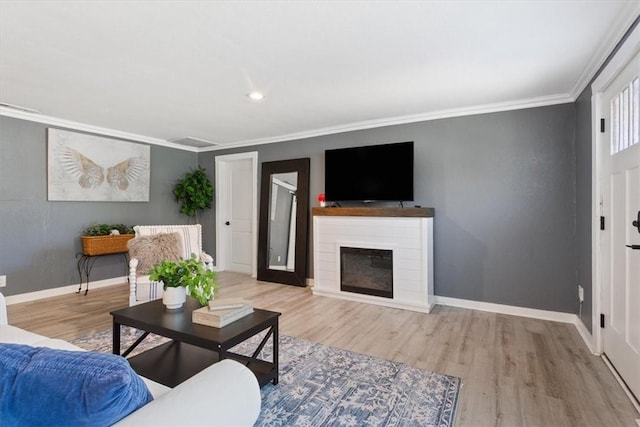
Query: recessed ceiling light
[{"x": 256, "y": 96}]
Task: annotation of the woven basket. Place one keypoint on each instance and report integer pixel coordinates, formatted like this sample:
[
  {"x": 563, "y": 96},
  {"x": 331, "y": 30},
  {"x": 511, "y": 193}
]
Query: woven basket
[{"x": 101, "y": 245}]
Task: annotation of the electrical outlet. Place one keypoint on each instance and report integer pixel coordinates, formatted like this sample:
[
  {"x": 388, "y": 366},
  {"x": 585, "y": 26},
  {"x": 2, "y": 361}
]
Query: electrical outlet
[
  {"x": 580, "y": 293},
  {"x": 3, "y": 281}
]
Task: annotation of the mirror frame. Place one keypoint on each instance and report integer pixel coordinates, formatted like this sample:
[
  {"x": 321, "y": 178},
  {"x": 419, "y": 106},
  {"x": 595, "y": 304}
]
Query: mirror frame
[{"x": 298, "y": 277}]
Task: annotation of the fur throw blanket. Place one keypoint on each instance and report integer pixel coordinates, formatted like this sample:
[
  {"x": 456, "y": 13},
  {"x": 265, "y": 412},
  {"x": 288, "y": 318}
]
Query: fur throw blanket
[{"x": 150, "y": 250}]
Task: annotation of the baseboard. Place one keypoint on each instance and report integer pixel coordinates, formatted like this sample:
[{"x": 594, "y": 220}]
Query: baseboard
[
  {"x": 63, "y": 290},
  {"x": 587, "y": 337},
  {"x": 533, "y": 313},
  {"x": 310, "y": 282}
]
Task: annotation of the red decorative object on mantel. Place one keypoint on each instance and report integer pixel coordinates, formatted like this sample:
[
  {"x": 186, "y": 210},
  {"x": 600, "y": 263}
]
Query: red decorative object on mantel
[{"x": 321, "y": 199}]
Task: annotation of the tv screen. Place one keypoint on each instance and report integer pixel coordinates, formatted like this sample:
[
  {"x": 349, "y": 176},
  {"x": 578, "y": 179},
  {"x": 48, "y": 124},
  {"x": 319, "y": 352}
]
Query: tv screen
[{"x": 375, "y": 172}]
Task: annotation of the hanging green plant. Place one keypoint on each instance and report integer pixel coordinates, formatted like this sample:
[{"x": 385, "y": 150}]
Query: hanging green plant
[{"x": 194, "y": 191}]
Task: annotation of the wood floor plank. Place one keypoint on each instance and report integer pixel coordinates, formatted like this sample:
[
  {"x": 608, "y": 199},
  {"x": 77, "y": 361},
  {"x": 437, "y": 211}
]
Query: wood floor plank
[{"x": 515, "y": 371}]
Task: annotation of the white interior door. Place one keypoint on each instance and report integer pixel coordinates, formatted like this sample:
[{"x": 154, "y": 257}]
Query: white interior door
[
  {"x": 236, "y": 212},
  {"x": 620, "y": 185},
  {"x": 239, "y": 218}
]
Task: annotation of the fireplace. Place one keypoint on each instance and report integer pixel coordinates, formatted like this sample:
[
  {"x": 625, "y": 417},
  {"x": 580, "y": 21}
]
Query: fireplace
[{"x": 366, "y": 271}]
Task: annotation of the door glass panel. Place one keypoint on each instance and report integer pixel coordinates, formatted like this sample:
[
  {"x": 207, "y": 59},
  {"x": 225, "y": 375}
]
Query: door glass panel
[{"x": 625, "y": 117}]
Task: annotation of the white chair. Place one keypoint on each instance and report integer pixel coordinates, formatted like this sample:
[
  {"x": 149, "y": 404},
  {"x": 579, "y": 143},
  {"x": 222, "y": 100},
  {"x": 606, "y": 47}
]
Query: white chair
[
  {"x": 141, "y": 289},
  {"x": 3, "y": 310}
]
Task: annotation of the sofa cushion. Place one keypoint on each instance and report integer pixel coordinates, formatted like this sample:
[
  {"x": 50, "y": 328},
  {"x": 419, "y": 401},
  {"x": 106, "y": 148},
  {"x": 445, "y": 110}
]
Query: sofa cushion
[
  {"x": 15, "y": 335},
  {"x": 150, "y": 250},
  {"x": 44, "y": 386}
]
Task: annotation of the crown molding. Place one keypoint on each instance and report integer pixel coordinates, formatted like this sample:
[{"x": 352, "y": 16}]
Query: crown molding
[
  {"x": 413, "y": 118},
  {"x": 627, "y": 18},
  {"x": 69, "y": 124},
  {"x": 351, "y": 127}
]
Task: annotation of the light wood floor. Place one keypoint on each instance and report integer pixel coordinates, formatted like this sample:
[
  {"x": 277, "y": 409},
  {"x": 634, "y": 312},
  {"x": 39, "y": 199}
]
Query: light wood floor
[{"x": 515, "y": 371}]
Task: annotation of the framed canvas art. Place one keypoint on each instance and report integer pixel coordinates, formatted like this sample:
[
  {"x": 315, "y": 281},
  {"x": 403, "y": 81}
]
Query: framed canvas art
[{"x": 85, "y": 167}]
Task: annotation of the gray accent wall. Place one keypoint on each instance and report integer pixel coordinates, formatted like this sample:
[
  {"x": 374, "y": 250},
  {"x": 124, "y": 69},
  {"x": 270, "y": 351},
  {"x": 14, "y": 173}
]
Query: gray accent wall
[
  {"x": 503, "y": 189},
  {"x": 584, "y": 204},
  {"x": 39, "y": 239}
]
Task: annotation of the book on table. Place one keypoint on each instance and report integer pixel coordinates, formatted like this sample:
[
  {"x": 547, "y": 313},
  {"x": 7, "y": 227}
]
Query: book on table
[
  {"x": 221, "y": 317},
  {"x": 227, "y": 303}
]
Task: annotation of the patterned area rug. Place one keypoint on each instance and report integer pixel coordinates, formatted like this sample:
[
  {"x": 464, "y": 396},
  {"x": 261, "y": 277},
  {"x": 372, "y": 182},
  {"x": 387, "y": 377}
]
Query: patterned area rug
[{"x": 327, "y": 386}]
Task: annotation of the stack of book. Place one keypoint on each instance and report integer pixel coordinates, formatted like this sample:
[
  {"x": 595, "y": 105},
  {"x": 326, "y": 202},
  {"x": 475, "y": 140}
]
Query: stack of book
[{"x": 221, "y": 312}]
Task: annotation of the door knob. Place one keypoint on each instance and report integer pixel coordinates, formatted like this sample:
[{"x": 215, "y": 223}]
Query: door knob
[
  {"x": 633, "y": 246},
  {"x": 227, "y": 223},
  {"x": 636, "y": 223}
]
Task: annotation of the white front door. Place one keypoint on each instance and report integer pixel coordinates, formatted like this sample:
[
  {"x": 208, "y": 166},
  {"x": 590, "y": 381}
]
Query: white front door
[
  {"x": 620, "y": 174},
  {"x": 236, "y": 212}
]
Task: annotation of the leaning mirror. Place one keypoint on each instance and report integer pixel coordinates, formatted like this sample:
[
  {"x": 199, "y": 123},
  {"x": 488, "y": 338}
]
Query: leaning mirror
[{"x": 284, "y": 205}]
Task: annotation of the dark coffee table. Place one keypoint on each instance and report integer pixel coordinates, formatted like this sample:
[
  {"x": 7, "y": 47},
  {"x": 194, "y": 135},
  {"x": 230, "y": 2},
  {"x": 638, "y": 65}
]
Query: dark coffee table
[{"x": 194, "y": 347}]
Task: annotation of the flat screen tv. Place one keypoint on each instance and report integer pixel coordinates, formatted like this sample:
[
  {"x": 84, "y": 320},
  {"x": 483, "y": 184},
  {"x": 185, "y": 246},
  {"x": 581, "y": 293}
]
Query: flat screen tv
[{"x": 370, "y": 173}]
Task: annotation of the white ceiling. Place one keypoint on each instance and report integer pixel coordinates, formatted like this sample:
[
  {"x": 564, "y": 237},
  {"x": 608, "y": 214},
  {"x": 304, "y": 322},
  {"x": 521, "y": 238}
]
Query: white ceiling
[{"x": 155, "y": 71}]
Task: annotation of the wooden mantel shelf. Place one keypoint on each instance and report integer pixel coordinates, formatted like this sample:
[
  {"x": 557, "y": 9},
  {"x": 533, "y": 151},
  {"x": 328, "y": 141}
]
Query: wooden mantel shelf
[{"x": 374, "y": 212}]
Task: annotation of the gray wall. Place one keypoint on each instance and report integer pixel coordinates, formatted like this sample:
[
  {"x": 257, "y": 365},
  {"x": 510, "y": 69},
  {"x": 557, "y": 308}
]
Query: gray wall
[
  {"x": 584, "y": 204},
  {"x": 503, "y": 186},
  {"x": 39, "y": 239}
]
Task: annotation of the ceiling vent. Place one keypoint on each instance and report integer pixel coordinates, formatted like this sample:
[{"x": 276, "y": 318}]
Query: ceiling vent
[{"x": 193, "y": 142}]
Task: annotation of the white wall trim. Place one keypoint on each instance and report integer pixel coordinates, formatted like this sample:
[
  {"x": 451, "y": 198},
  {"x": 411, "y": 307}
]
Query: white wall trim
[
  {"x": 64, "y": 290},
  {"x": 562, "y": 98},
  {"x": 586, "y": 336},
  {"x": 69, "y": 124},
  {"x": 452, "y": 302},
  {"x": 628, "y": 15},
  {"x": 542, "y": 101},
  {"x": 533, "y": 313}
]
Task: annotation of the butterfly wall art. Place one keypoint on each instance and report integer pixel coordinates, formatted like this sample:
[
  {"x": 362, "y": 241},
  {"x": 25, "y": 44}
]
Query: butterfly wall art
[{"x": 91, "y": 168}]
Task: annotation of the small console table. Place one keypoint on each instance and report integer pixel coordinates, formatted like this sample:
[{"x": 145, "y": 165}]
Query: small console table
[{"x": 86, "y": 262}]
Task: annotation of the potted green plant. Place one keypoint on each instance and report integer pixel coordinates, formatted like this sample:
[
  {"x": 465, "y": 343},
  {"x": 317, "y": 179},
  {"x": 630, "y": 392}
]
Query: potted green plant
[
  {"x": 101, "y": 239},
  {"x": 182, "y": 277},
  {"x": 194, "y": 191}
]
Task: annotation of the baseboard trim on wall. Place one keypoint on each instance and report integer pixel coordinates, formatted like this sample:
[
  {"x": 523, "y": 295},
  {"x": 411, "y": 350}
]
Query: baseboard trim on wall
[
  {"x": 63, "y": 290},
  {"x": 587, "y": 337},
  {"x": 452, "y": 302},
  {"x": 533, "y": 313}
]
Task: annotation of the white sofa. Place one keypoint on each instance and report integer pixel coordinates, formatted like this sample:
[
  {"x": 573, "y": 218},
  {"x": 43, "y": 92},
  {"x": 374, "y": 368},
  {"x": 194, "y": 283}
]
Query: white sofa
[{"x": 225, "y": 394}]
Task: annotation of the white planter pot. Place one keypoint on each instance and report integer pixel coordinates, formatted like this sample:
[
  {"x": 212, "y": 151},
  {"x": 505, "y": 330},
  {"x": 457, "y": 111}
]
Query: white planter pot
[{"x": 174, "y": 298}]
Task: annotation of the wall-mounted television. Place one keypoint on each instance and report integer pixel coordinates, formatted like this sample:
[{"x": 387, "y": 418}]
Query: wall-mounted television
[{"x": 370, "y": 173}]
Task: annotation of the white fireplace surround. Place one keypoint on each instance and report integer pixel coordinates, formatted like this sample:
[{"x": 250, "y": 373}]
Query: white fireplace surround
[{"x": 410, "y": 239}]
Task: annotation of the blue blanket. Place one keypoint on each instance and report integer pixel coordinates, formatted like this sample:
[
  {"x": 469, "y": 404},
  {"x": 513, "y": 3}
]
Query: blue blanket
[{"x": 43, "y": 386}]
